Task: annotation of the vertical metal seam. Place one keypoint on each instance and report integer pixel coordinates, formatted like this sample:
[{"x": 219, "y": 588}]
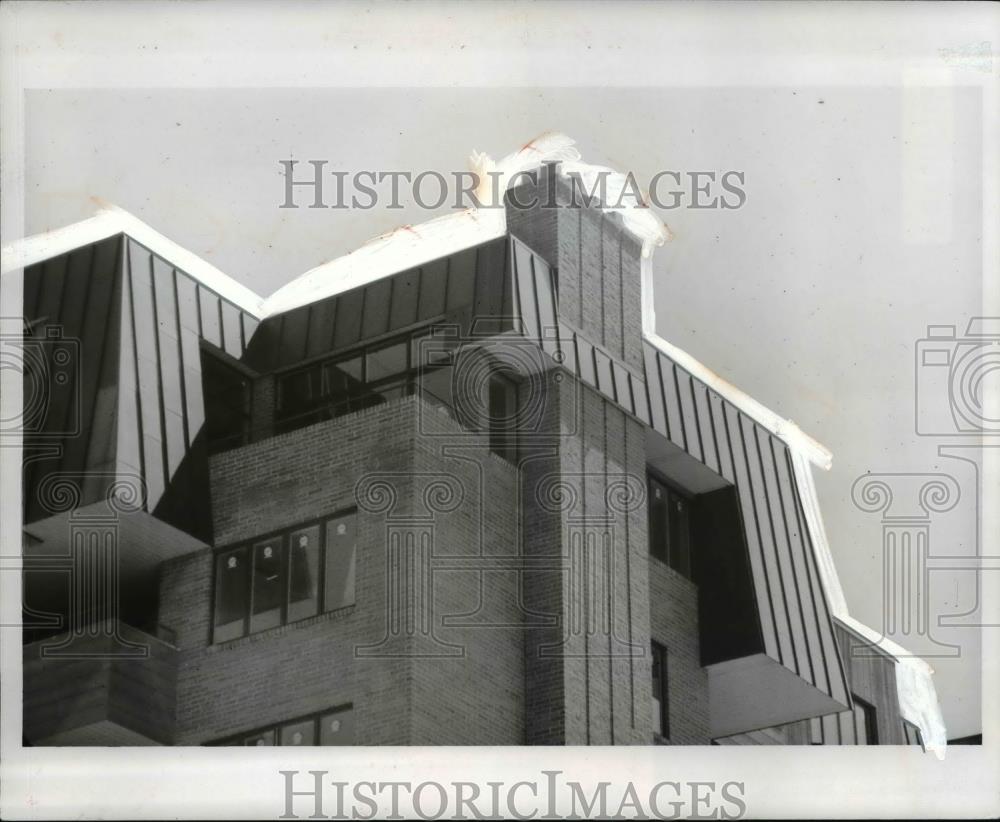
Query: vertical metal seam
[
  {"x": 743, "y": 525},
  {"x": 680, "y": 406},
  {"x": 102, "y": 352},
  {"x": 791, "y": 557},
  {"x": 609, "y": 583},
  {"x": 579, "y": 264},
  {"x": 817, "y": 581},
  {"x": 518, "y": 310},
  {"x": 663, "y": 395},
  {"x": 159, "y": 370},
  {"x": 135, "y": 365},
  {"x": 604, "y": 304},
  {"x": 802, "y": 610},
  {"x": 715, "y": 436},
  {"x": 760, "y": 541},
  {"x": 538, "y": 305},
  {"x": 180, "y": 358},
  {"x": 774, "y": 539},
  {"x": 628, "y": 588},
  {"x": 76, "y": 381},
  {"x": 621, "y": 297},
  {"x": 697, "y": 420}
]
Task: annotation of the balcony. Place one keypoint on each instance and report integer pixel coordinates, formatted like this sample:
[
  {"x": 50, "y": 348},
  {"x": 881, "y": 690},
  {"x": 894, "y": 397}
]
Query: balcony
[{"x": 109, "y": 684}]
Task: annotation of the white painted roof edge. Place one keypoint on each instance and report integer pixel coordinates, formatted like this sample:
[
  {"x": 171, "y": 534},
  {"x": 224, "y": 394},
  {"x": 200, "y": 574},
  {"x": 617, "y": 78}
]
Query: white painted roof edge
[
  {"x": 918, "y": 702},
  {"x": 413, "y": 245},
  {"x": 786, "y": 430},
  {"x": 110, "y": 220},
  {"x": 398, "y": 250}
]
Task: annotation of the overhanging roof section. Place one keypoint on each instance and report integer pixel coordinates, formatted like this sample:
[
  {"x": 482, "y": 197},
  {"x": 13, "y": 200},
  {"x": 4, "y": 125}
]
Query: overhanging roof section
[
  {"x": 794, "y": 615},
  {"x": 127, "y": 405},
  {"x": 111, "y": 220}
]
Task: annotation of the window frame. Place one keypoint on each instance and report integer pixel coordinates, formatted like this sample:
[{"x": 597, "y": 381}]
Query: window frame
[
  {"x": 249, "y": 545},
  {"x": 912, "y": 734},
  {"x": 870, "y": 716},
  {"x": 673, "y": 491},
  {"x": 659, "y": 651},
  {"x": 503, "y": 438},
  {"x": 408, "y": 378},
  {"x": 274, "y": 729},
  {"x": 248, "y": 377}
]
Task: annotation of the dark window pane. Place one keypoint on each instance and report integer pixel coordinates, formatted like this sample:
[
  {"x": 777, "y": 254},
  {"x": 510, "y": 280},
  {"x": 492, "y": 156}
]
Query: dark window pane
[
  {"x": 661, "y": 708},
  {"x": 227, "y": 403},
  {"x": 263, "y": 738},
  {"x": 435, "y": 386},
  {"x": 865, "y": 722},
  {"x": 680, "y": 535},
  {"x": 268, "y": 584},
  {"x": 658, "y": 519},
  {"x": 231, "y": 594},
  {"x": 341, "y": 540},
  {"x": 299, "y": 733},
  {"x": 386, "y": 361},
  {"x": 303, "y": 583},
  {"x": 298, "y": 391},
  {"x": 342, "y": 378},
  {"x": 337, "y": 728},
  {"x": 503, "y": 408}
]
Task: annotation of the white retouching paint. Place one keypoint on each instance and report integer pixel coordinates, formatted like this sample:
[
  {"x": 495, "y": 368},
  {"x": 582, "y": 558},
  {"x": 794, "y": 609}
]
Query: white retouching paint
[
  {"x": 918, "y": 702},
  {"x": 400, "y": 249},
  {"x": 110, "y": 220},
  {"x": 410, "y": 246}
]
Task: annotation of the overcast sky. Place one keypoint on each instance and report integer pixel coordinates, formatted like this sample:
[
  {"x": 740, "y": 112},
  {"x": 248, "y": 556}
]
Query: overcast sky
[{"x": 862, "y": 226}]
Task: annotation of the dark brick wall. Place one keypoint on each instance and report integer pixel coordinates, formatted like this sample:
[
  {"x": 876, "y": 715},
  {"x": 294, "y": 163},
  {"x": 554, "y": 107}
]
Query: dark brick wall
[
  {"x": 400, "y": 694},
  {"x": 552, "y": 655},
  {"x": 673, "y": 602},
  {"x": 587, "y": 678},
  {"x": 598, "y": 265}
]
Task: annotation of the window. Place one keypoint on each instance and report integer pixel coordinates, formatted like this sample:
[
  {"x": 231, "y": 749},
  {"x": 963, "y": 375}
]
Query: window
[
  {"x": 502, "y": 407},
  {"x": 227, "y": 403},
  {"x": 341, "y": 538},
  {"x": 334, "y": 727},
  {"x": 303, "y": 573},
  {"x": 865, "y": 722},
  {"x": 669, "y": 527},
  {"x": 912, "y": 733},
  {"x": 277, "y": 580},
  {"x": 231, "y": 575},
  {"x": 361, "y": 379},
  {"x": 661, "y": 703}
]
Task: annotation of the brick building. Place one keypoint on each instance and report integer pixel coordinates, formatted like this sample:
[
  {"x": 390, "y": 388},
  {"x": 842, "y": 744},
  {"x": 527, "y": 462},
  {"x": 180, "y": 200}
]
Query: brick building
[{"x": 450, "y": 489}]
